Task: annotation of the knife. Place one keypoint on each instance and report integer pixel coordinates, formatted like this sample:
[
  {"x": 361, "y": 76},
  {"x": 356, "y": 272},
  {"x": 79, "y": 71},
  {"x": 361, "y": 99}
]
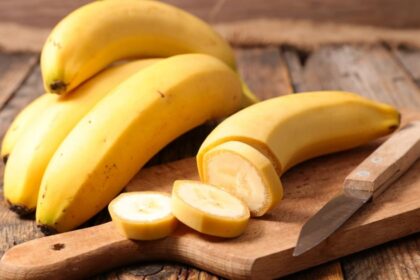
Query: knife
[{"x": 373, "y": 176}]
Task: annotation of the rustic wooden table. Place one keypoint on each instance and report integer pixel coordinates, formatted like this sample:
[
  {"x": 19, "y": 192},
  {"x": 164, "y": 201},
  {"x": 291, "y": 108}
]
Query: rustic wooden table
[{"x": 378, "y": 72}]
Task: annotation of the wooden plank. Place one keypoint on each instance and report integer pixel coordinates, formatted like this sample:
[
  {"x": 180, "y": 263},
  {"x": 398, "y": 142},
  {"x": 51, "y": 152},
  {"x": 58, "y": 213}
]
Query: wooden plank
[
  {"x": 12, "y": 229},
  {"x": 370, "y": 71},
  {"x": 265, "y": 71},
  {"x": 328, "y": 271},
  {"x": 395, "y": 14},
  {"x": 374, "y": 73},
  {"x": 13, "y": 70},
  {"x": 410, "y": 59},
  {"x": 398, "y": 259}
]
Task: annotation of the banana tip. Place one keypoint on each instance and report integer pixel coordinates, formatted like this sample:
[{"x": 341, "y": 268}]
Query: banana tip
[
  {"x": 46, "y": 229},
  {"x": 5, "y": 158},
  {"x": 58, "y": 87},
  {"x": 22, "y": 211}
]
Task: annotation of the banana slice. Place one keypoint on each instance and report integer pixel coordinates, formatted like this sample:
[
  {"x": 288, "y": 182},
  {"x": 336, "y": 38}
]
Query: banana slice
[
  {"x": 208, "y": 209},
  {"x": 143, "y": 215},
  {"x": 244, "y": 172}
]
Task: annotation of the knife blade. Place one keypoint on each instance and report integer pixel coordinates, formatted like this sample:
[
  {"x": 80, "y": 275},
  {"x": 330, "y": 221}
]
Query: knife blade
[{"x": 368, "y": 180}]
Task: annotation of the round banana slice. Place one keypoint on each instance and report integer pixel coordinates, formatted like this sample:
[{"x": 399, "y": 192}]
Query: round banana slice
[
  {"x": 208, "y": 209},
  {"x": 244, "y": 172},
  {"x": 143, "y": 215}
]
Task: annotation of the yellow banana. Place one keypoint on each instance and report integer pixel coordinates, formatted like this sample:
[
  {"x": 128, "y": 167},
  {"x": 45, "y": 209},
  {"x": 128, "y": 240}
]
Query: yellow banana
[
  {"x": 285, "y": 131},
  {"x": 125, "y": 129},
  {"x": 24, "y": 121},
  {"x": 36, "y": 145},
  {"x": 102, "y": 32}
]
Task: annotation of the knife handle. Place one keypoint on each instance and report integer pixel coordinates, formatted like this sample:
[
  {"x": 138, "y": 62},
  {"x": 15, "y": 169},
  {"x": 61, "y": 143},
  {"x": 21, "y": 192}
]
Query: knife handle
[{"x": 386, "y": 163}]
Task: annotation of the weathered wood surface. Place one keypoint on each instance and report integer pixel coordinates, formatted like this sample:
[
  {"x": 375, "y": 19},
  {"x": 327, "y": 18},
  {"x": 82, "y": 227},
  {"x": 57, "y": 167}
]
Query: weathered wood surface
[
  {"x": 410, "y": 59},
  {"x": 398, "y": 259},
  {"x": 13, "y": 70}
]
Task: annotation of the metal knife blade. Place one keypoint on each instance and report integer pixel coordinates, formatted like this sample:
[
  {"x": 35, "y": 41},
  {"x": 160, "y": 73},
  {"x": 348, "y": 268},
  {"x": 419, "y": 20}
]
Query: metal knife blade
[
  {"x": 366, "y": 182},
  {"x": 329, "y": 219}
]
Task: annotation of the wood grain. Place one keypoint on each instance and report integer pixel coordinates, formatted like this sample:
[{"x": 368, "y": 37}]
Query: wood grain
[
  {"x": 13, "y": 70},
  {"x": 265, "y": 70},
  {"x": 410, "y": 59},
  {"x": 370, "y": 71},
  {"x": 367, "y": 71}
]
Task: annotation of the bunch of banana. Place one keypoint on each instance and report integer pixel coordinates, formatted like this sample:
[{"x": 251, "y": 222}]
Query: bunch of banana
[
  {"x": 126, "y": 128},
  {"x": 36, "y": 145},
  {"x": 79, "y": 47},
  {"x": 116, "y": 118}
]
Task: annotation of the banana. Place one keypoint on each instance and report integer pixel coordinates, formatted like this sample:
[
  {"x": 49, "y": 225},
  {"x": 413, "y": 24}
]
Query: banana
[
  {"x": 208, "y": 209},
  {"x": 36, "y": 145},
  {"x": 143, "y": 215},
  {"x": 102, "y": 32},
  {"x": 286, "y": 131},
  {"x": 125, "y": 129},
  {"x": 24, "y": 121}
]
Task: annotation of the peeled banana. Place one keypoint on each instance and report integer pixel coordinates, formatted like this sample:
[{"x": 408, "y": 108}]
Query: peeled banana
[
  {"x": 208, "y": 209},
  {"x": 36, "y": 146},
  {"x": 126, "y": 128},
  {"x": 143, "y": 215},
  {"x": 24, "y": 121},
  {"x": 286, "y": 131},
  {"x": 102, "y": 32}
]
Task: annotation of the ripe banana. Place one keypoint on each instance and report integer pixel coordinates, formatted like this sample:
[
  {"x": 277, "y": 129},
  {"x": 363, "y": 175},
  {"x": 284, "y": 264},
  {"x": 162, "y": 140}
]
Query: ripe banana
[
  {"x": 209, "y": 209},
  {"x": 36, "y": 145},
  {"x": 24, "y": 121},
  {"x": 143, "y": 215},
  {"x": 102, "y": 32},
  {"x": 125, "y": 129},
  {"x": 285, "y": 131}
]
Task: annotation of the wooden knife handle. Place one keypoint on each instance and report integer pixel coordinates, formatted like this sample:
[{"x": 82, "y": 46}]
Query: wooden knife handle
[{"x": 387, "y": 162}]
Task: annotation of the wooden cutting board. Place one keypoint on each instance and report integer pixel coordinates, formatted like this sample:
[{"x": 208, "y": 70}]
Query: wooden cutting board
[{"x": 263, "y": 251}]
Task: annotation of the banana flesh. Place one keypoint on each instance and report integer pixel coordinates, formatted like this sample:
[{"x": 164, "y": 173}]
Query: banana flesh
[
  {"x": 36, "y": 146},
  {"x": 244, "y": 172},
  {"x": 125, "y": 129},
  {"x": 143, "y": 215},
  {"x": 24, "y": 121},
  {"x": 78, "y": 47},
  {"x": 208, "y": 209},
  {"x": 290, "y": 129}
]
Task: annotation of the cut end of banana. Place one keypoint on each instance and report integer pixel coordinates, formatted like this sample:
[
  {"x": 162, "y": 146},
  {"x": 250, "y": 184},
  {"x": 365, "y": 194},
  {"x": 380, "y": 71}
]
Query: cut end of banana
[
  {"x": 208, "y": 209},
  {"x": 143, "y": 215},
  {"x": 244, "y": 172}
]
